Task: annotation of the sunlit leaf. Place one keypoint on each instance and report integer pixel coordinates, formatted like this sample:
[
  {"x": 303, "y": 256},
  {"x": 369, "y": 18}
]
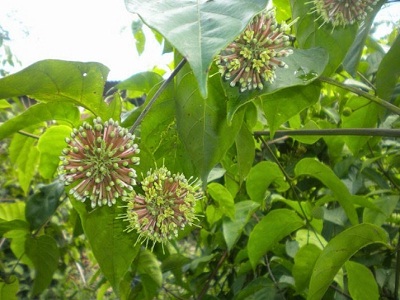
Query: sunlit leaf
[
  {"x": 272, "y": 228},
  {"x": 57, "y": 80},
  {"x": 44, "y": 253},
  {"x": 9, "y": 288},
  {"x": 223, "y": 199},
  {"x": 338, "y": 251},
  {"x": 197, "y": 29}
]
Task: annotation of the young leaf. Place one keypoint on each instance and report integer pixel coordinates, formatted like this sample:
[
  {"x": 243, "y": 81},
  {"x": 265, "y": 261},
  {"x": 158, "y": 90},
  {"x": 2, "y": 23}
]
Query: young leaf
[
  {"x": 113, "y": 248},
  {"x": 314, "y": 168},
  {"x": 261, "y": 176},
  {"x": 41, "y": 205},
  {"x": 361, "y": 281},
  {"x": 56, "y": 80},
  {"x": 276, "y": 225},
  {"x": 223, "y": 198},
  {"x": 338, "y": 251},
  {"x": 38, "y": 113},
  {"x": 197, "y": 29},
  {"x": 50, "y": 145},
  {"x": 232, "y": 229},
  {"x": 44, "y": 253}
]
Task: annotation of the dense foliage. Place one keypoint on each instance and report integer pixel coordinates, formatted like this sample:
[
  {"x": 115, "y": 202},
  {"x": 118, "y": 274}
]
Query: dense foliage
[{"x": 277, "y": 180}]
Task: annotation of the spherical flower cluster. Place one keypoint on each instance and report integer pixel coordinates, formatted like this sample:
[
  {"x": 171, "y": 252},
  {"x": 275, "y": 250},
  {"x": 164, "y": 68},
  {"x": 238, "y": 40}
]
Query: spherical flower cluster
[
  {"x": 98, "y": 162},
  {"x": 165, "y": 207},
  {"x": 250, "y": 61},
  {"x": 343, "y": 12}
]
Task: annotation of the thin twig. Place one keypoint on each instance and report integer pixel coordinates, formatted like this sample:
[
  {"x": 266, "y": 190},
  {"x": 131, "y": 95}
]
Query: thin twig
[
  {"x": 212, "y": 275},
  {"x": 334, "y": 131},
  {"x": 366, "y": 95},
  {"x": 157, "y": 94}
]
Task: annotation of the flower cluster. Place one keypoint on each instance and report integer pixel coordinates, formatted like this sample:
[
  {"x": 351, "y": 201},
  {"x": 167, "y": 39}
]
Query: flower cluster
[
  {"x": 98, "y": 162},
  {"x": 343, "y": 12},
  {"x": 250, "y": 61},
  {"x": 166, "y": 206}
]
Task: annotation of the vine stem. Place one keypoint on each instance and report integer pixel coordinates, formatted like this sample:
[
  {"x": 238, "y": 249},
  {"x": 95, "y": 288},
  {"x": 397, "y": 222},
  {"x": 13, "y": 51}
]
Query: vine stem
[
  {"x": 334, "y": 131},
  {"x": 359, "y": 92},
  {"x": 157, "y": 94}
]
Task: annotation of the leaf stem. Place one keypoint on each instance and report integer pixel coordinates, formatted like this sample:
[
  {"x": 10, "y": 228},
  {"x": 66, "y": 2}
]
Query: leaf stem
[
  {"x": 334, "y": 131},
  {"x": 157, "y": 94},
  {"x": 28, "y": 134},
  {"x": 359, "y": 92}
]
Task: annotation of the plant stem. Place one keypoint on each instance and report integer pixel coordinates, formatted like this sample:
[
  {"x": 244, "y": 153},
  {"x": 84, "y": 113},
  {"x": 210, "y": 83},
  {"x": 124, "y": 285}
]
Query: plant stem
[
  {"x": 28, "y": 134},
  {"x": 334, "y": 131},
  {"x": 366, "y": 95},
  {"x": 157, "y": 94}
]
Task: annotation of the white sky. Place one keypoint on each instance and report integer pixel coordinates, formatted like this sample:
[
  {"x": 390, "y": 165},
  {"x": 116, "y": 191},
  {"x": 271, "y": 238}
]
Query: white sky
[
  {"x": 86, "y": 30},
  {"x": 79, "y": 30}
]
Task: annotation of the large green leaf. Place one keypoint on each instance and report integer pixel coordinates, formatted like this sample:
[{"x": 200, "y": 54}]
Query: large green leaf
[
  {"x": 281, "y": 106},
  {"x": 388, "y": 71},
  {"x": 276, "y": 225},
  {"x": 113, "y": 248},
  {"x": 50, "y": 145},
  {"x": 338, "y": 251},
  {"x": 310, "y": 33},
  {"x": 41, "y": 205},
  {"x": 232, "y": 229},
  {"x": 304, "y": 66},
  {"x": 39, "y": 113},
  {"x": 44, "y": 253},
  {"x": 314, "y": 168},
  {"x": 56, "y": 80},
  {"x": 197, "y": 29},
  {"x": 202, "y": 124},
  {"x": 304, "y": 262},
  {"x": 361, "y": 281},
  {"x": 261, "y": 176}
]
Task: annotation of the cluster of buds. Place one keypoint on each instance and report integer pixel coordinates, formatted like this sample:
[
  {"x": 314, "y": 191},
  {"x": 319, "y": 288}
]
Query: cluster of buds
[
  {"x": 343, "y": 12},
  {"x": 166, "y": 206},
  {"x": 251, "y": 60},
  {"x": 98, "y": 162}
]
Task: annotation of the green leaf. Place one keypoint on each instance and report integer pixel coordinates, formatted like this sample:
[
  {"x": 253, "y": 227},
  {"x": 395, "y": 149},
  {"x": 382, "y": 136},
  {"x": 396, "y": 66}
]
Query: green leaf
[
  {"x": 138, "y": 34},
  {"x": 223, "y": 199},
  {"x": 310, "y": 33},
  {"x": 140, "y": 84},
  {"x": 113, "y": 248},
  {"x": 6, "y": 226},
  {"x": 18, "y": 237},
  {"x": 304, "y": 66},
  {"x": 283, "y": 105},
  {"x": 386, "y": 205},
  {"x": 364, "y": 115},
  {"x": 4, "y": 104},
  {"x": 261, "y": 176},
  {"x": 388, "y": 71},
  {"x": 24, "y": 155},
  {"x": 9, "y": 288},
  {"x": 50, "y": 145},
  {"x": 272, "y": 228},
  {"x": 314, "y": 168},
  {"x": 245, "y": 149},
  {"x": 11, "y": 211},
  {"x": 202, "y": 124},
  {"x": 338, "y": 251},
  {"x": 44, "y": 253},
  {"x": 39, "y": 113},
  {"x": 56, "y": 80},
  {"x": 42, "y": 205},
  {"x": 197, "y": 29},
  {"x": 148, "y": 267},
  {"x": 361, "y": 282},
  {"x": 304, "y": 262},
  {"x": 232, "y": 229}
]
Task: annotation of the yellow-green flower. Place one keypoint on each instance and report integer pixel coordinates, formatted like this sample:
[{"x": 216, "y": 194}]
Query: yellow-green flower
[
  {"x": 98, "y": 162},
  {"x": 250, "y": 61}
]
